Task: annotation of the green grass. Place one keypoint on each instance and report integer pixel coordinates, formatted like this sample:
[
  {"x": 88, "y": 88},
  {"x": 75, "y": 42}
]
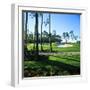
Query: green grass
[
  {"x": 53, "y": 65},
  {"x": 67, "y": 59},
  {"x": 75, "y": 48}
]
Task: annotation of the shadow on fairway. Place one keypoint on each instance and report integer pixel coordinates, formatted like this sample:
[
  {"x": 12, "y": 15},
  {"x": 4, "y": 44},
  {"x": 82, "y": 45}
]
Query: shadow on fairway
[
  {"x": 70, "y": 68},
  {"x": 45, "y": 62}
]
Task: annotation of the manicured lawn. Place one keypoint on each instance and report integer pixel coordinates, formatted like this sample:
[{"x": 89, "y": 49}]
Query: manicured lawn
[
  {"x": 75, "y": 48},
  {"x": 53, "y": 65}
]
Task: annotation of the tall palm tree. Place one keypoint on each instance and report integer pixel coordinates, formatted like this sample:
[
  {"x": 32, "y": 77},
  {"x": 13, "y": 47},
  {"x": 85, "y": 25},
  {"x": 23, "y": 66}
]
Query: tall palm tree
[
  {"x": 36, "y": 35},
  {"x": 26, "y": 27},
  {"x": 50, "y": 32},
  {"x": 41, "y": 30}
]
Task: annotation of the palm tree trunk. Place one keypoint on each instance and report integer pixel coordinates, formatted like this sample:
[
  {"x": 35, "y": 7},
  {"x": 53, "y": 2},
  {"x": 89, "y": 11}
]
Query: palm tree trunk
[
  {"x": 50, "y": 33},
  {"x": 34, "y": 40},
  {"x": 41, "y": 31},
  {"x": 26, "y": 27},
  {"x": 36, "y": 31}
]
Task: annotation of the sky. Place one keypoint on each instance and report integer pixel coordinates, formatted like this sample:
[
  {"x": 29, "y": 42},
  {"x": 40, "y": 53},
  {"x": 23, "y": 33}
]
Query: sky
[
  {"x": 59, "y": 22},
  {"x": 65, "y": 23}
]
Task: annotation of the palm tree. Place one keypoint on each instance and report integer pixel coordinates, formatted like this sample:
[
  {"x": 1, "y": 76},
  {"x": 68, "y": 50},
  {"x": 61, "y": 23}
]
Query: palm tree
[
  {"x": 36, "y": 35},
  {"x": 41, "y": 30},
  {"x": 26, "y": 27},
  {"x": 50, "y": 32}
]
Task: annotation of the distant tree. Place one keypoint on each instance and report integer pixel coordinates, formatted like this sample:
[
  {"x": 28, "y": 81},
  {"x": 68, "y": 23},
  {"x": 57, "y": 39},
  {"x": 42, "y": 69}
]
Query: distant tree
[
  {"x": 66, "y": 36},
  {"x": 71, "y": 34},
  {"x": 75, "y": 37},
  {"x": 45, "y": 36},
  {"x": 55, "y": 37},
  {"x": 58, "y": 38},
  {"x": 45, "y": 33},
  {"x": 54, "y": 32}
]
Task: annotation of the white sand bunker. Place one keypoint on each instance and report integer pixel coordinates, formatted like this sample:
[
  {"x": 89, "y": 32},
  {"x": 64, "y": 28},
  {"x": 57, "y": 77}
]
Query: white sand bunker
[{"x": 65, "y": 45}]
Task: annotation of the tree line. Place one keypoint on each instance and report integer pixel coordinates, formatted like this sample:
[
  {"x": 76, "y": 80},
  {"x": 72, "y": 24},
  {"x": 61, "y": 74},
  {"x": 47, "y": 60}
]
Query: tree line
[{"x": 43, "y": 36}]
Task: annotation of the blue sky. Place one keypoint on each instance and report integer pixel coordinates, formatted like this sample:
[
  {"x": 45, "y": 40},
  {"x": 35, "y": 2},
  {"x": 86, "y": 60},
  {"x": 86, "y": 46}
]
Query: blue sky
[
  {"x": 59, "y": 22},
  {"x": 65, "y": 23}
]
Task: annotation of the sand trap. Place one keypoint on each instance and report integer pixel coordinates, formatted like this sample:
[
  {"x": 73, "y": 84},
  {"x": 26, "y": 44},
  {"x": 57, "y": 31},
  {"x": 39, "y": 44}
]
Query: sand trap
[{"x": 65, "y": 45}]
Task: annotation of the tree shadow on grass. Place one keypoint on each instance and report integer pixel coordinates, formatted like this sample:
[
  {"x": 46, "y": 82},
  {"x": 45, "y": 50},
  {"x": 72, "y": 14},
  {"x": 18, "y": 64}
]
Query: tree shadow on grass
[
  {"x": 67, "y": 67},
  {"x": 49, "y": 66}
]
